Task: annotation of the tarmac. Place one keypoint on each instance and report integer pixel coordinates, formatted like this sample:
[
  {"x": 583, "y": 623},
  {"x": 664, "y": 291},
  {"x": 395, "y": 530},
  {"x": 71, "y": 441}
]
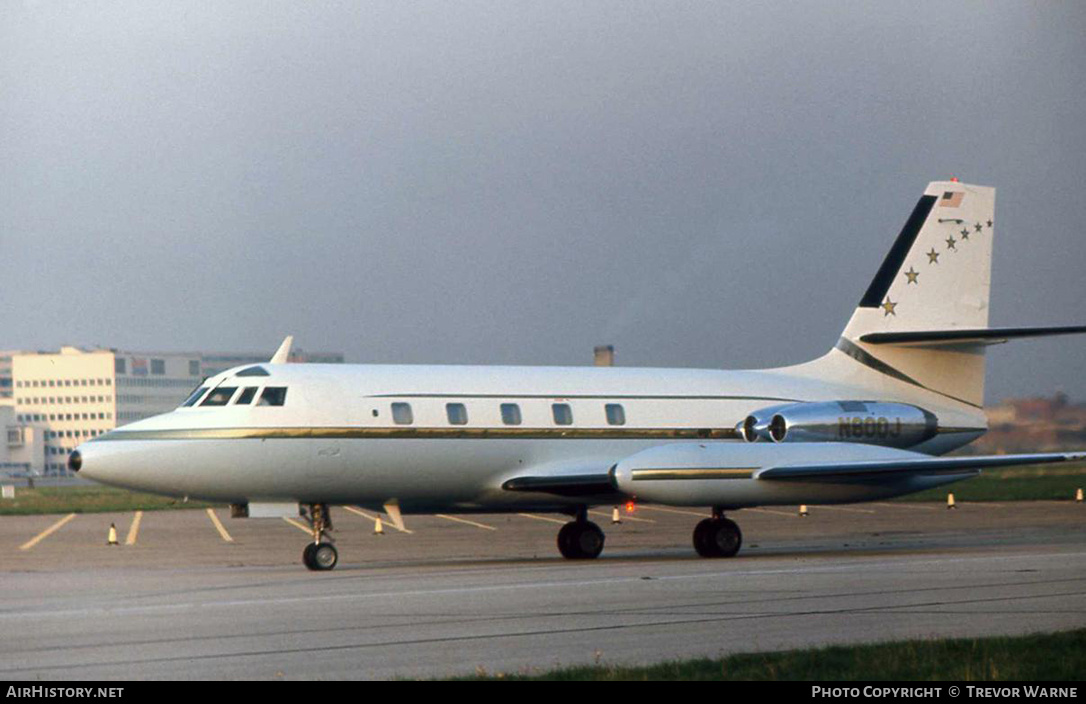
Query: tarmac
[{"x": 193, "y": 594}]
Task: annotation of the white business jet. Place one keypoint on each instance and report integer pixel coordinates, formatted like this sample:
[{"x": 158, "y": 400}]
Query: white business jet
[{"x": 868, "y": 420}]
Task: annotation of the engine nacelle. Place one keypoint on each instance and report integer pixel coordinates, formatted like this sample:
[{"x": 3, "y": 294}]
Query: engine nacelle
[{"x": 899, "y": 425}]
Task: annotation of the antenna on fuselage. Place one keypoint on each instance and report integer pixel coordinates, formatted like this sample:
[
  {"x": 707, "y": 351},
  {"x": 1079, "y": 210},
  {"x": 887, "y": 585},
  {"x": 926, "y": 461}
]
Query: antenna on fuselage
[{"x": 281, "y": 355}]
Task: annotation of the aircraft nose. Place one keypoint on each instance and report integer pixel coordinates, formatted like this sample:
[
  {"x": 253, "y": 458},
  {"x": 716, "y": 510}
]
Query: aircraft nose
[{"x": 75, "y": 461}]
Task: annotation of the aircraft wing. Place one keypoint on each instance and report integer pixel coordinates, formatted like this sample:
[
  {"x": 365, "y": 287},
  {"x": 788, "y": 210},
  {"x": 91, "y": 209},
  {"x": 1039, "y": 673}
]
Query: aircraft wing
[{"x": 933, "y": 465}]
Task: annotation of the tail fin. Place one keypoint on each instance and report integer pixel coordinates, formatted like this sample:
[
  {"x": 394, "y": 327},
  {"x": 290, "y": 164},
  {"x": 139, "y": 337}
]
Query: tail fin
[{"x": 937, "y": 277}]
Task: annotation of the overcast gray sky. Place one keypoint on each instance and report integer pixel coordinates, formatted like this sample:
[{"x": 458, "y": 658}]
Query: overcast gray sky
[{"x": 699, "y": 184}]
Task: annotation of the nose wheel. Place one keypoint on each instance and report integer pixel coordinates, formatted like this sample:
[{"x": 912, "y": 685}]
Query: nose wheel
[
  {"x": 717, "y": 537},
  {"x": 319, "y": 555}
]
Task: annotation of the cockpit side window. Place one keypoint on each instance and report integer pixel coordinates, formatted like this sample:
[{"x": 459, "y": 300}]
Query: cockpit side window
[
  {"x": 273, "y": 396},
  {"x": 194, "y": 397},
  {"x": 246, "y": 396},
  {"x": 220, "y": 396}
]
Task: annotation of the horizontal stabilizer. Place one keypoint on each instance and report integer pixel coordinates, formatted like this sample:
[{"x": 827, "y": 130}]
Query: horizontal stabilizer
[
  {"x": 569, "y": 485},
  {"x": 920, "y": 466},
  {"x": 959, "y": 337}
]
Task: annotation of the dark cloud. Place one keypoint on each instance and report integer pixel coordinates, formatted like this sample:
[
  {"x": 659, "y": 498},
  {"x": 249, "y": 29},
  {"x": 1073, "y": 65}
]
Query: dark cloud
[{"x": 699, "y": 184}]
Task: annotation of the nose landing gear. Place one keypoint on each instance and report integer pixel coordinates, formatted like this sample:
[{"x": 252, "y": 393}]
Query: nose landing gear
[
  {"x": 717, "y": 536},
  {"x": 319, "y": 555}
]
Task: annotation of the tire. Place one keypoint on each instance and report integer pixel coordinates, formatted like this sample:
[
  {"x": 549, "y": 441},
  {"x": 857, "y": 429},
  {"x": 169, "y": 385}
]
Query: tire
[
  {"x": 324, "y": 556},
  {"x": 726, "y": 538},
  {"x": 703, "y": 543},
  {"x": 580, "y": 540},
  {"x": 307, "y": 556},
  {"x": 565, "y": 541},
  {"x": 589, "y": 541}
]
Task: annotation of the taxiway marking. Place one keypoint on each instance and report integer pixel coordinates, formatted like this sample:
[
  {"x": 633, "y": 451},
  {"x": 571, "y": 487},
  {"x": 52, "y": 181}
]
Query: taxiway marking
[
  {"x": 542, "y": 518},
  {"x": 218, "y": 526},
  {"x": 356, "y": 511},
  {"x": 464, "y": 520},
  {"x": 767, "y": 510},
  {"x": 46, "y": 533},
  {"x": 299, "y": 526},
  {"x": 674, "y": 510},
  {"x": 134, "y": 529},
  {"x": 842, "y": 508},
  {"x": 905, "y": 505}
]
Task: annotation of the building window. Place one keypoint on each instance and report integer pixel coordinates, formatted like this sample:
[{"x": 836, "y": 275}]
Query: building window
[
  {"x": 158, "y": 367},
  {"x": 401, "y": 414},
  {"x": 563, "y": 414},
  {"x": 194, "y": 367},
  {"x": 615, "y": 414},
  {"x": 457, "y": 413},
  {"x": 119, "y": 365},
  {"x": 511, "y": 414}
]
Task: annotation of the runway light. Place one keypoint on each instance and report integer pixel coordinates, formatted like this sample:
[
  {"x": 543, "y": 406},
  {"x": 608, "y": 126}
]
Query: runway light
[{"x": 630, "y": 507}]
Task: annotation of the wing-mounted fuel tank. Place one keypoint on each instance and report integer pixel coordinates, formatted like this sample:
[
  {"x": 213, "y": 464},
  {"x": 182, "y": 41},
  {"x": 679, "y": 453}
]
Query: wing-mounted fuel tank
[{"x": 899, "y": 425}]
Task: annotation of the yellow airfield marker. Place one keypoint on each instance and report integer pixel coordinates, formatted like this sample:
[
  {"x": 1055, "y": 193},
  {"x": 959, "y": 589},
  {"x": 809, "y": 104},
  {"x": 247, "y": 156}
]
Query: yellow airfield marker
[
  {"x": 358, "y": 512},
  {"x": 46, "y": 533},
  {"x": 627, "y": 517}
]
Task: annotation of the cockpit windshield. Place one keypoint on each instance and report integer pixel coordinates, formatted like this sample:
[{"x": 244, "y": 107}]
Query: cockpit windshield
[
  {"x": 220, "y": 396},
  {"x": 194, "y": 397}
]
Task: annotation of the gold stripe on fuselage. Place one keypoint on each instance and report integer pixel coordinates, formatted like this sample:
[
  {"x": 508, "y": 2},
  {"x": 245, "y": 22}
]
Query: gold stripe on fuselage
[{"x": 423, "y": 433}]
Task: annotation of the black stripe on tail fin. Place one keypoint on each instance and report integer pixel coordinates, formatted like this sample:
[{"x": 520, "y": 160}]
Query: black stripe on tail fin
[{"x": 892, "y": 264}]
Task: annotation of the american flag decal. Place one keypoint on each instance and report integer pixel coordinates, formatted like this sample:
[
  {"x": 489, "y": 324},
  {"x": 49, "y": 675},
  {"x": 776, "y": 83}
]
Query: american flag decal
[{"x": 951, "y": 199}]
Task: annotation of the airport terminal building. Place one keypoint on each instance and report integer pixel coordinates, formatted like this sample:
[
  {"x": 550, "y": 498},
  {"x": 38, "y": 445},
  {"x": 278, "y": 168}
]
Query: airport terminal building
[{"x": 58, "y": 400}]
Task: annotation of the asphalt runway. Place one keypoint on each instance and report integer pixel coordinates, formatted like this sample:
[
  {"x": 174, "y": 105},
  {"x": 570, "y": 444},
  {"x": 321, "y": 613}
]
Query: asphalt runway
[{"x": 462, "y": 593}]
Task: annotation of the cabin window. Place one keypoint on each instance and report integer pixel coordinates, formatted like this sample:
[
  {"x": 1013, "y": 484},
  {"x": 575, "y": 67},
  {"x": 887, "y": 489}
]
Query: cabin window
[
  {"x": 273, "y": 396},
  {"x": 615, "y": 414},
  {"x": 457, "y": 413},
  {"x": 246, "y": 396},
  {"x": 563, "y": 415},
  {"x": 194, "y": 397},
  {"x": 510, "y": 414},
  {"x": 220, "y": 396},
  {"x": 401, "y": 414}
]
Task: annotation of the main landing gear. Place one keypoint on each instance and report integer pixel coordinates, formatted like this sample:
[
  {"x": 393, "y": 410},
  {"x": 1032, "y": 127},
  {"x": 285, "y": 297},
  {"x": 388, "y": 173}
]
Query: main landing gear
[
  {"x": 717, "y": 536},
  {"x": 580, "y": 539},
  {"x": 319, "y": 555}
]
